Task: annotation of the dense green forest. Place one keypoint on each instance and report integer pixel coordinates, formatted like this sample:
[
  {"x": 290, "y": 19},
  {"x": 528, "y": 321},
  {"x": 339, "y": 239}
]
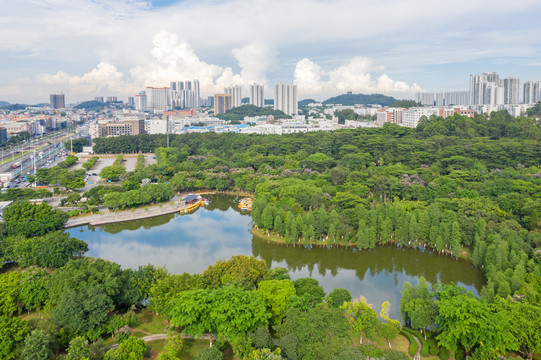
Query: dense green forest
[
  {"x": 464, "y": 187},
  {"x": 360, "y": 99},
  {"x": 238, "y": 113}
]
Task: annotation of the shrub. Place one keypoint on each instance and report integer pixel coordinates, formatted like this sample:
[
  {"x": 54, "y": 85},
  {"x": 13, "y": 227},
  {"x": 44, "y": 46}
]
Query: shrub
[
  {"x": 432, "y": 347},
  {"x": 413, "y": 344},
  {"x": 444, "y": 354}
]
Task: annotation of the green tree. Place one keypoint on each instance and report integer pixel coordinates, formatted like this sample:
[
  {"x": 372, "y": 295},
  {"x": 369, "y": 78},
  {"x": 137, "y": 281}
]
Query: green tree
[
  {"x": 163, "y": 290},
  {"x": 84, "y": 303},
  {"x": 132, "y": 349},
  {"x": 33, "y": 288},
  {"x": 262, "y": 338},
  {"x": 36, "y": 346},
  {"x": 228, "y": 312},
  {"x": 525, "y": 319},
  {"x": 267, "y": 217},
  {"x": 78, "y": 349},
  {"x": 13, "y": 330},
  {"x": 321, "y": 332},
  {"x": 468, "y": 323},
  {"x": 390, "y": 328},
  {"x": 338, "y": 296},
  {"x": 9, "y": 293},
  {"x": 276, "y": 294},
  {"x": 29, "y": 220},
  {"x": 240, "y": 271},
  {"x": 113, "y": 172},
  {"x": 309, "y": 289},
  {"x": 361, "y": 317},
  {"x": 211, "y": 353}
]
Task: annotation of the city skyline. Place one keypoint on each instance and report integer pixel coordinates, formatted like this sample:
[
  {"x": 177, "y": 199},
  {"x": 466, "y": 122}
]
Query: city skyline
[{"x": 89, "y": 48}]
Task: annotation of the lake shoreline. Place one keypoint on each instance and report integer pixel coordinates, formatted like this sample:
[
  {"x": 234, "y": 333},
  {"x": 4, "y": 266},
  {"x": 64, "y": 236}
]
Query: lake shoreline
[
  {"x": 144, "y": 212},
  {"x": 276, "y": 239}
]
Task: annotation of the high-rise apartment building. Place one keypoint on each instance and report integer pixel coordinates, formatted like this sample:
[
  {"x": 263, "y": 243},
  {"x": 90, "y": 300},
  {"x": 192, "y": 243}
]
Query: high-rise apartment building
[
  {"x": 58, "y": 101},
  {"x": 99, "y": 98},
  {"x": 257, "y": 96},
  {"x": 197, "y": 94},
  {"x": 489, "y": 89},
  {"x": 532, "y": 92},
  {"x": 456, "y": 98},
  {"x": 141, "y": 101},
  {"x": 131, "y": 101},
  {"x": 158, "y": 99},
  {"x": 236, "y": 94},
  {"x": 510, "y": 90},
  {"x": 425, "y": 98},
  {"x": 222, "y": 103},
  {"x": 112, "y": 99},
  {"x": 285, "y": 98},
  {"x": 185, "y": 94}
]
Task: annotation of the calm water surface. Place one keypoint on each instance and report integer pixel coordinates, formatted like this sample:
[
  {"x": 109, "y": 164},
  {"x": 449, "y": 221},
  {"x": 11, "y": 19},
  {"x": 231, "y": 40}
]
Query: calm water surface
[{"x": 190, "y": 243}]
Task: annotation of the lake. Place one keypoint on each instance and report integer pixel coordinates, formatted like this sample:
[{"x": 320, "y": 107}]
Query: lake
[{"x": 190, "y": 243}]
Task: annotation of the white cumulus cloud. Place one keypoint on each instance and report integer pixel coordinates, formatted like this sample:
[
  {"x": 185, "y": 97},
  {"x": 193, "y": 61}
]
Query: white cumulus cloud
[{"x": 357, "y": 75}]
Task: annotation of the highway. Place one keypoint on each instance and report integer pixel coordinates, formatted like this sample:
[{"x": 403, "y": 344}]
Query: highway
[{"x": 50, "y": 147}]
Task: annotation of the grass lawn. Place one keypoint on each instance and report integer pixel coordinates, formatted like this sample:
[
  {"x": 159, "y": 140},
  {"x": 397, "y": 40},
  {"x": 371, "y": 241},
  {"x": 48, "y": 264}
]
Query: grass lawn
[
  {"x": 151, "y": 324},
  {"x": 156, "y": 347},
  {"x": 399, "y": 343},
  {"x": 34, "y": 315},
  {"x": 191, "y": 348}
]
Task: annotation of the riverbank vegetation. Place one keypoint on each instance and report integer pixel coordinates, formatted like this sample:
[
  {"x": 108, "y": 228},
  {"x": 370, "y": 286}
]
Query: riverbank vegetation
[{"x": 452, "y": 185}]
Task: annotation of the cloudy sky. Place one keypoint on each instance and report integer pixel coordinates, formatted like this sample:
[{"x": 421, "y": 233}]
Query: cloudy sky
[{"x": 88, "y": 48}]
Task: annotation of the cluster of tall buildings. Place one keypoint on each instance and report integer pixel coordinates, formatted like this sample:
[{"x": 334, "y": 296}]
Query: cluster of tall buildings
[
  {"x": 486, "y": 89},
  {"x": 186, "y": 94},
  {"x": 180, "y": 94},
  {"x": 489, "y": 89}
]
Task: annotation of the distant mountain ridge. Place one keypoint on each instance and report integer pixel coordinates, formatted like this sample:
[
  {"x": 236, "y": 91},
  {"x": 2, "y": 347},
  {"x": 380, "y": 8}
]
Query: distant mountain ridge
[
  {"x": 4, "y": 103},
  {"x": 306, "y": 102},
  {"x": 361, "y": 99}
]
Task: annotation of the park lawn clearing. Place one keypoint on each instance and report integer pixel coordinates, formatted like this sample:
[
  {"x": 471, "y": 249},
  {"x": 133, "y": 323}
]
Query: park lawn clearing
[
  {"x": 150, "y": 323},
  {"x": 192, "y": 347},
  {"x": 156, "y": 347},
  {"x": 399, "y": 343}
]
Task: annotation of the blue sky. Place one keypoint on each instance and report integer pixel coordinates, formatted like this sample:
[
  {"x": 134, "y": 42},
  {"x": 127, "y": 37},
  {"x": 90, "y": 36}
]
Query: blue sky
[{"x": 88, "y": 48}]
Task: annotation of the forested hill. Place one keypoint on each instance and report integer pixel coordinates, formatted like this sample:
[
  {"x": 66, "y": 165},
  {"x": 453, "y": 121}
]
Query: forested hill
[
  {"x": 306, "y": 102},
  {"x": 92, "y": 105},
  {"x": 238, "y": 113},
  {"x": 361, "y": 99}
]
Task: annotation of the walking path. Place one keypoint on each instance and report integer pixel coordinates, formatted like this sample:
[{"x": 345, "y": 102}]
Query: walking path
[
  {"x": 107, "y": 217},
  {"x": 418, "y": 352},
  {"x": 155, "y": 337}
]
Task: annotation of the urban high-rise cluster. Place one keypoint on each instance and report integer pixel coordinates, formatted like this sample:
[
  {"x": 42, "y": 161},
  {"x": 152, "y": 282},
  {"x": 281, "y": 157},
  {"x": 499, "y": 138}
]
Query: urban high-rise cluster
[
  {"x": 185, "y": 94},
  {"x": 486, "y": 89},
  {"x": 180, "y": 94}
]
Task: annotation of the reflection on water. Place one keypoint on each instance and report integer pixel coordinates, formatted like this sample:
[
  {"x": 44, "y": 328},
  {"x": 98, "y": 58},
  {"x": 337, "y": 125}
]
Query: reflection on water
[{"x": 190, "y": 243}]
